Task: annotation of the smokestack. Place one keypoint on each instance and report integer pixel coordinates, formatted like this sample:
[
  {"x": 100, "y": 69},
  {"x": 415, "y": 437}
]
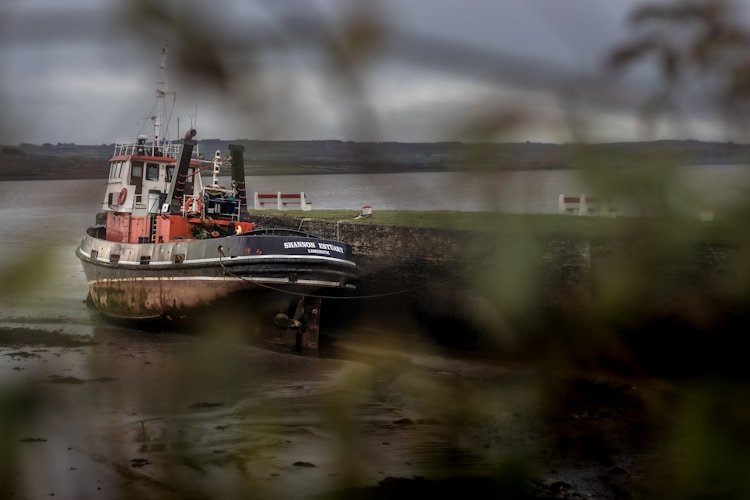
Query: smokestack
[
  {"x": 238, "y": 176},
  {"x": 177, "y": 188}
]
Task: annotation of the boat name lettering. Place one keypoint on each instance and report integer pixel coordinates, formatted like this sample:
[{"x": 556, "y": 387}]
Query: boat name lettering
[
  {"x": 312, "y": 245},
  {"x": 299, "y": 244},
  {"x": 333, "y": 248}
]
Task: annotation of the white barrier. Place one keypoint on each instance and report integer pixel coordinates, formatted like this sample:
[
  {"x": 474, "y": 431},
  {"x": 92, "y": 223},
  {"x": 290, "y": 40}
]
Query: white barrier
[
  {"x": 583, "y": 205},
  {"x": 282, "y": 201}
]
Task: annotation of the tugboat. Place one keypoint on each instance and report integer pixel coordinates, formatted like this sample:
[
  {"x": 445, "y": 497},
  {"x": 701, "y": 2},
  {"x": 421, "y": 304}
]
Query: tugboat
[{"x": 167, "y": 246}]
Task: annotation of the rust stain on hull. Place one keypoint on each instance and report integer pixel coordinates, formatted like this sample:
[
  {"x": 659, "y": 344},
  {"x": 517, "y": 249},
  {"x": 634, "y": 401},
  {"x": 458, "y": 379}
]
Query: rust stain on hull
[{"x": 152, "y": 298}]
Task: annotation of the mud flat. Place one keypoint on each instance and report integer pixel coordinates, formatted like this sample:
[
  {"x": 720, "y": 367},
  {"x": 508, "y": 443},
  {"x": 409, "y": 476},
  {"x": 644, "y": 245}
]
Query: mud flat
[{"x": 114, "y": 412}]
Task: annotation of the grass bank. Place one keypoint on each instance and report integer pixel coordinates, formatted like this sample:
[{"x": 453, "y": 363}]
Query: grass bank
[
  {"x": 521, "y": 223},
  {"x": 475, "y": 221}
]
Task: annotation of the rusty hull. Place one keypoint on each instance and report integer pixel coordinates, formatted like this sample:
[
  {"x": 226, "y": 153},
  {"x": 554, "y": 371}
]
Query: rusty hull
[{"x": 144, "y": 281}]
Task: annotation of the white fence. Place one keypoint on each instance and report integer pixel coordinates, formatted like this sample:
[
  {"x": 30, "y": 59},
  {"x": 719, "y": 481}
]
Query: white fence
[
  {"x": 583, "y": 205},
  {"x": 281, "y": 201}
]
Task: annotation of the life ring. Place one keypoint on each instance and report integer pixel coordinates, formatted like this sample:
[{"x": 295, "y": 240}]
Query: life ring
[
  {"x": 189, "y": 204},
  {"x": 122, "y": 196}
]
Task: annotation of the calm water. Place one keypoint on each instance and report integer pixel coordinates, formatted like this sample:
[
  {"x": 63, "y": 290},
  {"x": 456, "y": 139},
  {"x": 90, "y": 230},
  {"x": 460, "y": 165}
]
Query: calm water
[
  {"x": 509, "y": 192},
  {"x": 514, "y": 192}
]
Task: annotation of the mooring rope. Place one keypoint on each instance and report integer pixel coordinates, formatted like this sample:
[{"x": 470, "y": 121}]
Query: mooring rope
[{"x": 300, "y": 294}]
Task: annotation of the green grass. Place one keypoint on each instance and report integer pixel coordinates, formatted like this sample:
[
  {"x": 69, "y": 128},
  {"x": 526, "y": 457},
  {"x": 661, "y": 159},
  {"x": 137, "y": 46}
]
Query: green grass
[{"x": 537, "y": 224}]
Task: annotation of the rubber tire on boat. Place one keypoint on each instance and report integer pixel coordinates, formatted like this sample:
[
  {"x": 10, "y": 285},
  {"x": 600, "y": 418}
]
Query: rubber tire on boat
[{"x": 122, "y": 196}]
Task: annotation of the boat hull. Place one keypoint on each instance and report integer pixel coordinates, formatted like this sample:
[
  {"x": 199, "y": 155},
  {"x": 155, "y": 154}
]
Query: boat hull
[{"x": 169, "y": 280}]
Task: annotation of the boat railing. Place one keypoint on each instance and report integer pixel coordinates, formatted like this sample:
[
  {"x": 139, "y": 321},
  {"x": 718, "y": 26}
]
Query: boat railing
[
  {"x": 280, "y": 231},
  {"x": 139, "y": 146},
  {"x": 236, "y": 214}
]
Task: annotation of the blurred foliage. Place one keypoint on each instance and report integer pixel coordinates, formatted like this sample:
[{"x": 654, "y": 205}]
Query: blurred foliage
[
  {"x": 18, "y": 407},
  {"x": 694, "y": 44},
  {"x": 25, "y": 274},
  {"x": 641, "y": 362}
]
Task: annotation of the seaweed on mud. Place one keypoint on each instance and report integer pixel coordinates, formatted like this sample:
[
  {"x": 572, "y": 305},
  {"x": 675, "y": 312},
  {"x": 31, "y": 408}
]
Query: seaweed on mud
[
  {"x": 21, "y": 354},
  {"x": 57, "y": 379},
  {"x": 205, "y": 404},
  {"x": 33, "y": 440},
  {"x": 59, "y": 320},
  {"x": 24, "y": 336},
  {"x": 303, "y": 464}
]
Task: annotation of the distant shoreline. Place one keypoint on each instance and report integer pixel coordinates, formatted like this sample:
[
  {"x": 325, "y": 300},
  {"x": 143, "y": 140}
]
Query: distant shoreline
[
  {"x": 260, "y": 172},
  {"x": 267, "y": 158},
  {"x": 37, "y": 167}
]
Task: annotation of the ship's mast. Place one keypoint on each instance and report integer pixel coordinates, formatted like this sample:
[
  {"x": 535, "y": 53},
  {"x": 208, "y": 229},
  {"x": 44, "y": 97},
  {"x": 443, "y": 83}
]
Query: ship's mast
[{"x": 161, "y": 93}]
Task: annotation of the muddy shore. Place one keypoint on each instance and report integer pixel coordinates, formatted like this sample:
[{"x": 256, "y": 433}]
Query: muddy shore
[{"x": 111, "y": 412}]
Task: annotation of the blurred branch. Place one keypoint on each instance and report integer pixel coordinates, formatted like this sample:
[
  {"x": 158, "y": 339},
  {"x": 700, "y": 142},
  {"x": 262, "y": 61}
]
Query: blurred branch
[{"x": 694, "y": 43}]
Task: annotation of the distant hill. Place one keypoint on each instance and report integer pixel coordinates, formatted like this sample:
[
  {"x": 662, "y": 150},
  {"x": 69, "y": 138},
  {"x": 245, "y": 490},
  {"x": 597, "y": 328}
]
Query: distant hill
[{"x": 70, "y": 161}]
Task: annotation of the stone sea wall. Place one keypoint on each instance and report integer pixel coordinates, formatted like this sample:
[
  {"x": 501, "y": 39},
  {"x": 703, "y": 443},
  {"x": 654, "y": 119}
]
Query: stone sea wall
[
  {"x": 566, "y": 269},
  {"x": 399, "y": 256},
  {"x": 624, "y": 301}
]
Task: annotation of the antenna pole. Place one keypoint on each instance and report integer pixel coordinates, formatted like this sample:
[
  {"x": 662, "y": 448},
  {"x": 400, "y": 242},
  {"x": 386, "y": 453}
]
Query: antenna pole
[{"x": 161, "y": 92}]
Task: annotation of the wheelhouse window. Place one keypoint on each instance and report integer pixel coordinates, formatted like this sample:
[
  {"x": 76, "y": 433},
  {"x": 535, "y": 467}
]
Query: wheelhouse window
[
  {"x": 169, "y": 173},
  {"x": 152, "y": 171},
  {"x": 115, "y": 169},
  {"x": 136, "y": 172}
]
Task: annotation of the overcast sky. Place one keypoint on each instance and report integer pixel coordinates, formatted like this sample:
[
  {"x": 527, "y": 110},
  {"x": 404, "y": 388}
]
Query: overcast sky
[{"x": 85, "y": 71}]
